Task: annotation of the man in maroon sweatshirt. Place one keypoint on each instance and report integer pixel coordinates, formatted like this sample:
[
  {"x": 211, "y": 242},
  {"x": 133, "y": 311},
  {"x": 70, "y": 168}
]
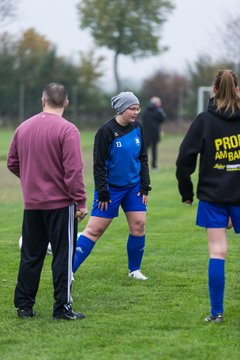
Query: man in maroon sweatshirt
[{"x": 45, "y": 153}]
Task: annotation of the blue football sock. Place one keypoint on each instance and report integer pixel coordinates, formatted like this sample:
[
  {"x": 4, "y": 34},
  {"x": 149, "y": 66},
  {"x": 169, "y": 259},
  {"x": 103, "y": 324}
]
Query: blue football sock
[
  {"x": 135, "y": 250},
  {"x": 216, "y": 283},
  {"x": 84, "y": 247}
]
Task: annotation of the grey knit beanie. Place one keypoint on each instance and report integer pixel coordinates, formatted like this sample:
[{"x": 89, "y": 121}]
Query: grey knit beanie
[{"x": 123, "y": 101}]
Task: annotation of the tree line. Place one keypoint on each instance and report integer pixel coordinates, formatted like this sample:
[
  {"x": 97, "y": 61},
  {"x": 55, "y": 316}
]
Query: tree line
[
  {"x": 29, "y": 63},
  {"x": 126, "y": 27}
]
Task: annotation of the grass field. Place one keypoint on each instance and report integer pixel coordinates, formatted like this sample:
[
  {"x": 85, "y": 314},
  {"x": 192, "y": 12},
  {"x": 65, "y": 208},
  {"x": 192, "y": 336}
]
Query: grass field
[{"x": 161, "y": 318}]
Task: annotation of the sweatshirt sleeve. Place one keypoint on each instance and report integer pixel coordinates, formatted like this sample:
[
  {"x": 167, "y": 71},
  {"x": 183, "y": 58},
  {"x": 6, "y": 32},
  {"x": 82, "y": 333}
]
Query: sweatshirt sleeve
[
  {"x": 12, "y": 157},
  {"x": 161, "y": 115},
  {"x": 190, "y": 147},
  {"x": 144, "y": 173},
  {"x": 73, "y": 166}
]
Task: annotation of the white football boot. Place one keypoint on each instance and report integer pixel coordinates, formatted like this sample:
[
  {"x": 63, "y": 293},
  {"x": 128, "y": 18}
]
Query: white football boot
[{"x": 136, "y": 274}]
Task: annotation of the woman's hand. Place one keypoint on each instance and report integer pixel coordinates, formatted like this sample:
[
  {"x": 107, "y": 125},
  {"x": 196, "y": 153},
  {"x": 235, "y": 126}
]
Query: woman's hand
[
  {"x": 103, "y": 205},
  {"x": 188, "y": 202},
  {"x": 144, "y": 198}
]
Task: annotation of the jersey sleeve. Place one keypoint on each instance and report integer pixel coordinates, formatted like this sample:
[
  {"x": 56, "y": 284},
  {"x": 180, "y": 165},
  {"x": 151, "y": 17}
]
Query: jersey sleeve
[{"x": 100, "y": 156}]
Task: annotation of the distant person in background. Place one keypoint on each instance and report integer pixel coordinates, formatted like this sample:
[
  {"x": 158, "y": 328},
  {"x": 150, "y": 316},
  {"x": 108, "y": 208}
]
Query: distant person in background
[
  {"x": 45, "y": 153},
  {"x": 152, "y": 119},
  {"x": 215, "y": 137},
  {"x": 121, "y": 177}
]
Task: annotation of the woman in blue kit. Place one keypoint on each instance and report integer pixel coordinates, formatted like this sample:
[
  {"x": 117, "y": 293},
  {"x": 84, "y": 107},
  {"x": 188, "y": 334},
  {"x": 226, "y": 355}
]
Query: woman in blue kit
[
  {"x": 215, "y": 136},
  {"x": 121, "y": 176}
]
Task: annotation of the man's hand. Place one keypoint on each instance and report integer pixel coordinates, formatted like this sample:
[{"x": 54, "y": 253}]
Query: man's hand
[{"x": 81, "y": 213}]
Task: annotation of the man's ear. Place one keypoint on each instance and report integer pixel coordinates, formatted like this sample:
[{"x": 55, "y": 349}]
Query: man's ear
[
  {"x": 43, "y": 102},
  {"x": 66, "y": 103}
]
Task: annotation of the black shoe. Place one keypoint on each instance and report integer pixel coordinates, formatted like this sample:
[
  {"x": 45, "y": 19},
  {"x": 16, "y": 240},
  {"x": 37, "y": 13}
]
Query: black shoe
[
  {"x": 68, "y": 314},
  {"x": 26, "y": 313},
  {"x": 217, "y": 319}
]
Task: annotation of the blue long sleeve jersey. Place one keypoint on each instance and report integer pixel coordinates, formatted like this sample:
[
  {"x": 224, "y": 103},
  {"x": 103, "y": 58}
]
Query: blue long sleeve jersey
[{"x": 120, "y": 158}]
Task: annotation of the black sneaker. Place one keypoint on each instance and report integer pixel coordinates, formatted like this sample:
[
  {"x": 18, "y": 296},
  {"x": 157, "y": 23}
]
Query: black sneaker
[
  {"x": 26, "y": 313},
  {"x": 68, "y": 314},
  {"x": 217, "y": 319}
]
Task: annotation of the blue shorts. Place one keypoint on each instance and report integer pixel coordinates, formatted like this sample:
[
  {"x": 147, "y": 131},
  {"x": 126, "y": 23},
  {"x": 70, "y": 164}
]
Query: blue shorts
[
  {"x": 212, "y": 215},
  {"x": 124, "y": 196}
]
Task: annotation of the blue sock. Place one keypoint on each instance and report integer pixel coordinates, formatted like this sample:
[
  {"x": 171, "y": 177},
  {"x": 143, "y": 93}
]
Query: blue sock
[
  {"x": 135, "y": 250},
  {"x": 216, "y": 283},
  {"x": 84, "y": 247}
]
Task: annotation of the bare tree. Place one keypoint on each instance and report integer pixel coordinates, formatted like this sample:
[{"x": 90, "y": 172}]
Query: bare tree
[
  {"x": 7, "y": 11},
  {"x": 229, "y": 41}
]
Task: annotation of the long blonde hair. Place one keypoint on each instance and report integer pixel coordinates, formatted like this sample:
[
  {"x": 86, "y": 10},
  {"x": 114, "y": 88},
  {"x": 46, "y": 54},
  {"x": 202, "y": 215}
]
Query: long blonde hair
[{"x": 225, "y": 88}]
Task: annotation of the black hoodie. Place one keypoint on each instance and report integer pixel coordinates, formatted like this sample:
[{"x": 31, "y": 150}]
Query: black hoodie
[
  {"x": 152, "y": 119},
  {"x": 215, "y": 135}
]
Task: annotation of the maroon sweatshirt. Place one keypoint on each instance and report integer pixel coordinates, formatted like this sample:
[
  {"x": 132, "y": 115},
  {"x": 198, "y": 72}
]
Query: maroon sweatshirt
[{"x": 45, "y": 153}]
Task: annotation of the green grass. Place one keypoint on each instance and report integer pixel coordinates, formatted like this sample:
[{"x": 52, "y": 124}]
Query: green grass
[
  {"x": 161, "y": 318},
  {"x": 5, "y": 137}
]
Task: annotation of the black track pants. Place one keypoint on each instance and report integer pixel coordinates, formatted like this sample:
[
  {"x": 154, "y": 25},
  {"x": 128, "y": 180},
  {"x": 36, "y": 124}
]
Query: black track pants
[{"x": 59, "y": 227}]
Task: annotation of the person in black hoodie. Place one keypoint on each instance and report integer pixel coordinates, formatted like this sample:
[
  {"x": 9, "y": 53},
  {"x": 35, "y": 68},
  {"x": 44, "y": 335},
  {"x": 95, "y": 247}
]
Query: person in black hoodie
[
  {"x": 215, "y": 137},
  {"x": 152, "y": 119}
]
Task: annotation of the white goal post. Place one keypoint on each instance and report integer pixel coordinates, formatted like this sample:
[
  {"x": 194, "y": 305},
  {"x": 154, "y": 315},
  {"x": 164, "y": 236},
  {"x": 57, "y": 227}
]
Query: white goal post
[{"x": 202, "y": 90}]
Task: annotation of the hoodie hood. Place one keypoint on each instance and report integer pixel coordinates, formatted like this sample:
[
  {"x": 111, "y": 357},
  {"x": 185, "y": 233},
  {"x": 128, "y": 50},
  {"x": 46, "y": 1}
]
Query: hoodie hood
[
  {"x": 151, "y": 106},
  {"x": 226, "y": 115}
]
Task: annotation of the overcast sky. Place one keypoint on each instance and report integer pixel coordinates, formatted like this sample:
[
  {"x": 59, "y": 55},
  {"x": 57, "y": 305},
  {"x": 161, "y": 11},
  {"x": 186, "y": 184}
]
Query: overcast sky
[{"x": 191, "y": 30}]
